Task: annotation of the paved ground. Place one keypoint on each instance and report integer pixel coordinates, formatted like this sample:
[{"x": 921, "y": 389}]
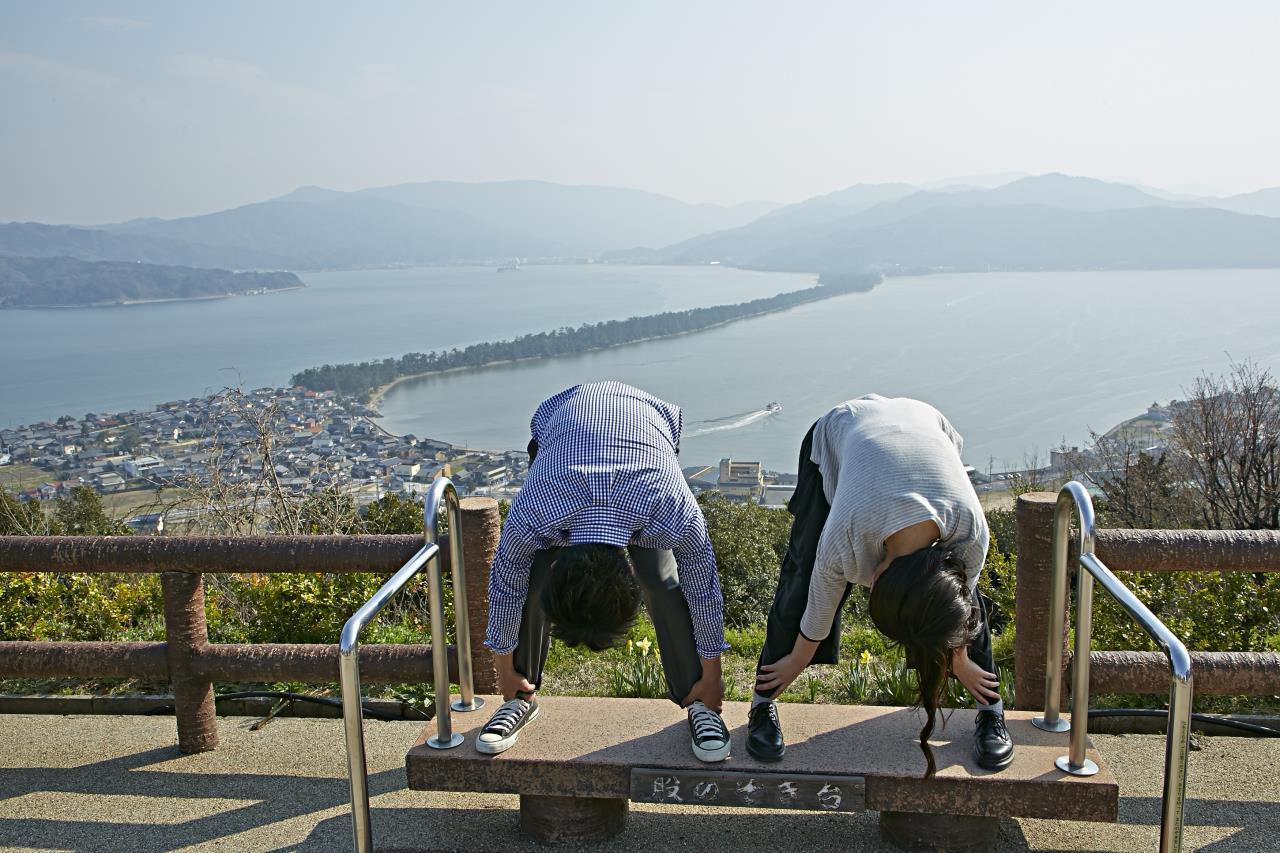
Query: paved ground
[{"x": 119, "y": 784}]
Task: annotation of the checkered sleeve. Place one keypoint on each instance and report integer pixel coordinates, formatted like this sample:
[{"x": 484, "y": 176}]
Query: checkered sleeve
[
  {"x": 509, "y": 583},
  {"x": 700, "y": 582}
]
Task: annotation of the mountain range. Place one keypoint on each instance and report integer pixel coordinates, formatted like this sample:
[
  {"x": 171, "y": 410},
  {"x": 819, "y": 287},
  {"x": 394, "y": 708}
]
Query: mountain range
[{"x": 1050, "y": 221}]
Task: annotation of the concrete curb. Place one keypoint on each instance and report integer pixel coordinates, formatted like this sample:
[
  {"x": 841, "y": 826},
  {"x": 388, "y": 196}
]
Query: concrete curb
[{"x": 162, "y": 704}]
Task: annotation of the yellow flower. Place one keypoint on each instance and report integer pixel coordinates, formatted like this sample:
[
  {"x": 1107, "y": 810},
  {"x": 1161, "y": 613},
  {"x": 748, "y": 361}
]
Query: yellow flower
[
  {"x": 644, "y": 646},
  {"x": 630, "y": 647},
  {"x": 865, "y": 657}
]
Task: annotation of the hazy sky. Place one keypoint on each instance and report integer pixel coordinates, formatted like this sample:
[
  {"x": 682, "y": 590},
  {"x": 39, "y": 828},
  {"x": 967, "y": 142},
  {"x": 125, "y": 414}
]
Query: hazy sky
[{"x": 112, "y": 111}]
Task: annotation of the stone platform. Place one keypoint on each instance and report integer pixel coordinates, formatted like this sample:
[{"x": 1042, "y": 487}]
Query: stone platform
[{"x": 839, "y": 758}]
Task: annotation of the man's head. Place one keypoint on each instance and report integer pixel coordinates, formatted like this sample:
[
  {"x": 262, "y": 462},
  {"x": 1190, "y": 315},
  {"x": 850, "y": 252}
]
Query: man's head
[{"x": 592, "y": 596}]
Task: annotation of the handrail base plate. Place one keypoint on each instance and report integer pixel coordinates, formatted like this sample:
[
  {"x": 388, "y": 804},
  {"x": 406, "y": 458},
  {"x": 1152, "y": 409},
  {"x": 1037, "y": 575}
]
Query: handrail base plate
[
  {"x": 436, "y": 743},
  {"x": 1059, "y": 725},
  {"x": 1089, "y": 768}
]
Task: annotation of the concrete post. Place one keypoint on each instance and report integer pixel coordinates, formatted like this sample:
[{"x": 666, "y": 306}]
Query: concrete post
[
  {"x": 481, "y": 525},
  {"x": 571, "y": 820},
  {"x": 185, "y": 631},
  {"x": 1035, "y": 568},
  {"x": 938, "y": 833}
]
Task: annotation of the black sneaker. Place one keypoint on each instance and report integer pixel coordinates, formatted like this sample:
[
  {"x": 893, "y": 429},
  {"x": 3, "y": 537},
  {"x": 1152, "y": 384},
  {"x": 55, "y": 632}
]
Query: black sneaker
[
  {"x": 764, "y": 733},
  {"x": 992, "y": 746},
  {"x": 710, "y": 737},
  {"x": 503, "y": 728}
]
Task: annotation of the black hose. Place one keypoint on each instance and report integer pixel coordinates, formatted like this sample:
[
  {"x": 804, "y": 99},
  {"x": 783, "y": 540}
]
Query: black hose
[
  {"x": 1225, "y": 722},
  {"x": 369, "y": 711}
]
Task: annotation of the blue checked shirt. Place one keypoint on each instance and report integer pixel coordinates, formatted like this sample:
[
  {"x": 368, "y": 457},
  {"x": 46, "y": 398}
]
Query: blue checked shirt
[{"x": 606, "y": 472}]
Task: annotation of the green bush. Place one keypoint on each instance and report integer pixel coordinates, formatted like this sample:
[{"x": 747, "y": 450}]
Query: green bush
[{"x": 749, "y": 542}]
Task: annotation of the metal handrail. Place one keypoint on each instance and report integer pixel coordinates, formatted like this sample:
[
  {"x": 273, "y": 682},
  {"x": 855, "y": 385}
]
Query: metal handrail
[
  {"x": 349, "y": 650},
  {"x": 1075, "y": 497}
]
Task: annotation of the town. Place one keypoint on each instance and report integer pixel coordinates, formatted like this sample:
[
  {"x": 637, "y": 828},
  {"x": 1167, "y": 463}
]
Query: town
[{"x": 320, "y": 440}]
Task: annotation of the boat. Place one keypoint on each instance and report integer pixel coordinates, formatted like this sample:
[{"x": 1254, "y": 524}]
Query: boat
[
  {"x": 510, "y": 267},
  {"x": 773, "y": 408}
]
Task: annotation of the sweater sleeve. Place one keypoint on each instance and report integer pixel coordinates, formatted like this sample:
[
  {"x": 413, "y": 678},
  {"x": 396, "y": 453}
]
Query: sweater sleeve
[{"x": 826, "y": 588}]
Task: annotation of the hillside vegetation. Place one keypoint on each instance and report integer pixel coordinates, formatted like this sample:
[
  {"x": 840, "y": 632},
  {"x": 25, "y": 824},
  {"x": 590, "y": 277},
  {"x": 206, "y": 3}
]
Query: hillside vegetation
[{"x": 39, "y": 282}]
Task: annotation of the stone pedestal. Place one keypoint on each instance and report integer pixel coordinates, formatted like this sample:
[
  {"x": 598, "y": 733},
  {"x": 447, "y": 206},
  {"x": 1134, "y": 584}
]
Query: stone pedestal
[
  {"x": 571, "y": 820},
  {"x": 938, "y": 833}
]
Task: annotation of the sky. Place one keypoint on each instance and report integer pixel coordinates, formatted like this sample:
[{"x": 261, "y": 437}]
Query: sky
[{"x": 123, "y": 110}]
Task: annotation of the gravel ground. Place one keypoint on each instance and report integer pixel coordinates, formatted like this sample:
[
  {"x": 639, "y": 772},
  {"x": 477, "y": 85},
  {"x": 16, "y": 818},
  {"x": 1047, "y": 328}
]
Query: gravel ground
[{"x": 119, "y": 784}]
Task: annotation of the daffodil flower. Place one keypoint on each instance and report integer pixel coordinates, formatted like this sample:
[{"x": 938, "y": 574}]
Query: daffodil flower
[
  {"x": 865, "y": 657},
  {"x": 643, "y": 645}
]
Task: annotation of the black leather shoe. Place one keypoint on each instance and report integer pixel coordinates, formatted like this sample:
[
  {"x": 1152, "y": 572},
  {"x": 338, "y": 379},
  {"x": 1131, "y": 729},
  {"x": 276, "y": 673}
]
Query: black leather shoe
[
  {"x": 764, "y": 733},
  {"x": 992, "y": 746}
]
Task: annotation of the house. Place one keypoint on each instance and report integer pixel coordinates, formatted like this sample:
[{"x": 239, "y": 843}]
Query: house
[
  {"x": 109, "y": 482},
  {"x": 740, "y": 480},
  {"x": 142, "y": 466},
  {"x": 776, "y": 495}
]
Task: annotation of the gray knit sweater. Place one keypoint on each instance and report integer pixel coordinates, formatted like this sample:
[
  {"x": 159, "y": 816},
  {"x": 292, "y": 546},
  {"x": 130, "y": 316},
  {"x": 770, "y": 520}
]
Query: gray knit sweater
[{"x": 886, "y": 464}]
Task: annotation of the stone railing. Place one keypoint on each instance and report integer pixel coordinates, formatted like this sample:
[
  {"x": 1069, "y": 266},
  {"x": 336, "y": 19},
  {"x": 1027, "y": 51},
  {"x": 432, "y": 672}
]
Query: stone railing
[
  {"x": 190, "y": 663},
  {"x": 1222, "y": 673}
]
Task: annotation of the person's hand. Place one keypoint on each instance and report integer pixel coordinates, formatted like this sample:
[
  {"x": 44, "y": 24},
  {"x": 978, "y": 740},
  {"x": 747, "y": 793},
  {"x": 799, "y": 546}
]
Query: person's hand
[
  {"x": 774, "y": 678},
  {"x": 511, "y": 682},
  {"x": 709, "y": 689},
  {"x": 771, "y": 680},
  {"x": 982, "y": 685}
]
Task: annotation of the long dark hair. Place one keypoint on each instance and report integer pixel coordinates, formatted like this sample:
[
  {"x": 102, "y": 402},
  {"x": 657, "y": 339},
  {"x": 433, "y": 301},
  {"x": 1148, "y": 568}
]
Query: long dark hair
[{"x": 921, "y": 602}]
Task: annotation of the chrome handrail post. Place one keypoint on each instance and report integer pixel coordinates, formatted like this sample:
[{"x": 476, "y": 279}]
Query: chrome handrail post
[
  {"x": 443, "y": 490},
  {"x": 1051, "y": 721},
  {"x": 353, "y": 732},
  {"x": 1181, "y": 688},
  {"x": 1075, "y": 762},
  {"x": 349, "y": 656},
  {"x": 349, "y": 678},
  {"x": 1177, "y": 747}
]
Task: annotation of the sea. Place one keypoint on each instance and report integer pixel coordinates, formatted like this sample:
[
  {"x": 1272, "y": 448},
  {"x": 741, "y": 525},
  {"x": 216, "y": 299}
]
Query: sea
[{"x": 1021, "y": 363}]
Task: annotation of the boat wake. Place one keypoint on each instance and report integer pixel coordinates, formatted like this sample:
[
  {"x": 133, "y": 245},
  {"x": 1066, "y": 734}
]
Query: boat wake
[{"x": 732, "y": 421}]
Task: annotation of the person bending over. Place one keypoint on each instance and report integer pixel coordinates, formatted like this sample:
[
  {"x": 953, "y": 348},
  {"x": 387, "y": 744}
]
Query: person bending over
[
  {"x": 605, "y": 520},
  {"x": 883, "y": 500}
]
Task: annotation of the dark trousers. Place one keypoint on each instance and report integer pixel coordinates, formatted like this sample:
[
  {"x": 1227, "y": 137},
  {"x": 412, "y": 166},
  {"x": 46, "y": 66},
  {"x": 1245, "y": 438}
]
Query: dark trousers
[
  {"x": 810, "y": 508},
  {"x": 660, "y": 583}
]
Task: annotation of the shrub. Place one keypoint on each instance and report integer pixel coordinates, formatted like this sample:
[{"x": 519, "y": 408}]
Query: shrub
[{"x": 749, "y": 542}]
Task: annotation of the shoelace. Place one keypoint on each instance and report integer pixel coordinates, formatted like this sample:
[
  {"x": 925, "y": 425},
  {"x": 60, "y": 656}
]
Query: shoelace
[
  {"x": 707, "y": 724},
  {"x": 506, "y": 717},
  {"x": 992, "y": 724}
]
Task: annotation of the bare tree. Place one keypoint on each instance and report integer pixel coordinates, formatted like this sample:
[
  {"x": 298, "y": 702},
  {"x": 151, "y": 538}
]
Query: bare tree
[{"x": 1228, "y": 436}]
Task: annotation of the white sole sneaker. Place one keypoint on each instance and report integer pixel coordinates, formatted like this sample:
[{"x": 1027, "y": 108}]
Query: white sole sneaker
[
  {"x": 711, "y": 756},
  {"x": 496, "y": 746}
]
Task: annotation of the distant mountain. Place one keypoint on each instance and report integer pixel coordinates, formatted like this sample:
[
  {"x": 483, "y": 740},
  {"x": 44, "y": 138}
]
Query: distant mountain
[
  {"x": 584, "y": 220},
  {"x": 821, "y": 235},
  {"x": 349, "y": 229},
  {"x": 445, "y": 221},
  {"x": 1040, "y": 237},
  {"x": 974, "y": 182},
  {"x": 39, "y": 282},
  {"x": 33, "y": 239},
  {"x": 775, "y": 229},
  {"x": 1261, "y": 203}
]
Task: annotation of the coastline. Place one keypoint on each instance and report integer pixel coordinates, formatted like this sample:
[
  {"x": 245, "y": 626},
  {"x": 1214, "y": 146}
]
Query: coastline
[
  {"x": 375, "y": 398},
  {"x": 122, "y": 303}
]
